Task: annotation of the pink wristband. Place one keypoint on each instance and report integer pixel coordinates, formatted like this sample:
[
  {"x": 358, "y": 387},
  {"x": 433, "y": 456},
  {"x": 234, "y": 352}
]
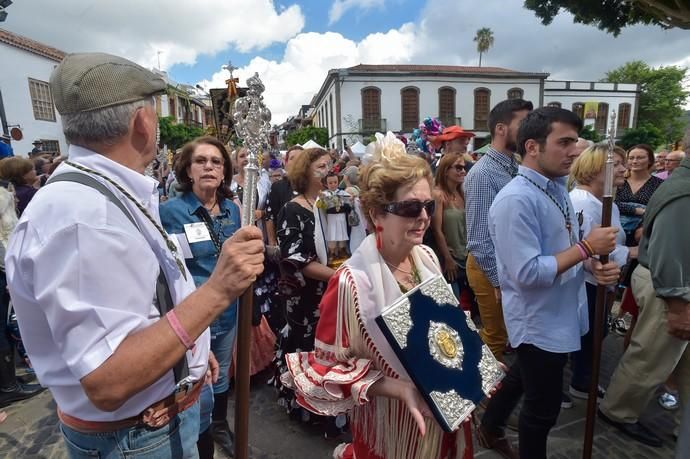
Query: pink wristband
[
  {"x": 583, "y": 252},
  {"x": 179, "y": 331}
]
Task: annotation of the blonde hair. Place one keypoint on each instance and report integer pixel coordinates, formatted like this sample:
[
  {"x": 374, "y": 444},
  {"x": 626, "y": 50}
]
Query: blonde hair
[
  {"x": 391, "y": 169},
  {"x": 590, "y": 163}
]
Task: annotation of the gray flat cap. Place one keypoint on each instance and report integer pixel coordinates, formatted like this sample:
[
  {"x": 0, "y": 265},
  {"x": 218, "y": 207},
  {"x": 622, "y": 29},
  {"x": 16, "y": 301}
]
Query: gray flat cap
[{"x": 90, "y": 81}]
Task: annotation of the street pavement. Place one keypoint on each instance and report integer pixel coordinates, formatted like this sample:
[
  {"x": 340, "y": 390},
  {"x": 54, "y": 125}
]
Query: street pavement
[{"x": 32, "y": 429}]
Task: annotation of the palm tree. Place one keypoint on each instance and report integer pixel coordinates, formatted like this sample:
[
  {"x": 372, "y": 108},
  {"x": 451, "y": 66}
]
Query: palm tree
[{"x": 484, "y": 40}]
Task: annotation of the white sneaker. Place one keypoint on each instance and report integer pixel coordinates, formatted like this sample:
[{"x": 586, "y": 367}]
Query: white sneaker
[{"x": 582, "y": 395}]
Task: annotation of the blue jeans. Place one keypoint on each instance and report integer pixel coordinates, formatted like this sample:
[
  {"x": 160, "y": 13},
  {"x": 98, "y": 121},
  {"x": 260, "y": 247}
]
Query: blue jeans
[
  {"x": 222, "y": 345},
  {"x": 205, "y": 408},
  {"x": 176, "y": 440}
]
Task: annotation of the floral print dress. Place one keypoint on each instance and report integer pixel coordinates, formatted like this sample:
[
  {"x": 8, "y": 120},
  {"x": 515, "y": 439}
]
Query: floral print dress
[{"x": 300, "y": 298}]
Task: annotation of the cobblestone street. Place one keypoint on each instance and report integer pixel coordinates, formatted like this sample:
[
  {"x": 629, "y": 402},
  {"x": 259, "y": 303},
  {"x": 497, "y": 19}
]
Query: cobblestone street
[{"x": 32, "y": 430}]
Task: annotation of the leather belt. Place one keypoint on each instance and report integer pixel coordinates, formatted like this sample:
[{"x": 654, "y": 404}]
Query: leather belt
[{"x": 155, "y": 416}]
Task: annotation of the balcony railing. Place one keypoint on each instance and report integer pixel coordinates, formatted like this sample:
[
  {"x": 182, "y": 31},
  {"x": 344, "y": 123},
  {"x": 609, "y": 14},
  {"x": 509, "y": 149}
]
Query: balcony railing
[
  {"x": 372, "y": 125},
  {"x": 193, "y": 123}
]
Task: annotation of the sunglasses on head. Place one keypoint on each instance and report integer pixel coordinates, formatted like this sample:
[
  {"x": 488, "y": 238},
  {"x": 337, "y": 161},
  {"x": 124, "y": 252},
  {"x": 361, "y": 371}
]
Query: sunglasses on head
[{"x": 410, "y": 209}]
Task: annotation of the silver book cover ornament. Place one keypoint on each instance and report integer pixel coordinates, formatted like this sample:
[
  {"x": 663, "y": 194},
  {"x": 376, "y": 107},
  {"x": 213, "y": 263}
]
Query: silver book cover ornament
[{"x": 252, "y": 124}]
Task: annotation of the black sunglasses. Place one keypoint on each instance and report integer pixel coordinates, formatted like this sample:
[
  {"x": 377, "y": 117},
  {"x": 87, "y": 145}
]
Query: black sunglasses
[
  {"x": 410, "y": 209},
  {"x": 460, "y": 168}
]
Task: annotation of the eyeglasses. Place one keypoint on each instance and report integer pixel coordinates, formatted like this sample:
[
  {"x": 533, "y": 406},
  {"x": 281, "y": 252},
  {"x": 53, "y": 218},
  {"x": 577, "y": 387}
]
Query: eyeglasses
[
  {"x": 200, "y": 161},
  {"x": 410, "y": 209},
  {"x": 673, "y": 160},
  {"x": 460, "y": 168}
]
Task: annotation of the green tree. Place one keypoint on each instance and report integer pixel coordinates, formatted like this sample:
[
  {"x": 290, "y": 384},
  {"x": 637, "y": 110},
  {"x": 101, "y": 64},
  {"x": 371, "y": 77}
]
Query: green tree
[
  {"x": 613, "y": 15},
  {"x": 175, "y": 135},
  {"x": 589, "y": 133},
  {"x": 662, "y": 95},
  {"x": 649, "y": 135},
  {"x": 303, "y": 135},
  {"x": 484, "y": 40}
]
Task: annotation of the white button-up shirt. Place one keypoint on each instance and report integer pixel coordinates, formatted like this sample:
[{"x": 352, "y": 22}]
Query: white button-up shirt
[{"x": 82, "y": 278}]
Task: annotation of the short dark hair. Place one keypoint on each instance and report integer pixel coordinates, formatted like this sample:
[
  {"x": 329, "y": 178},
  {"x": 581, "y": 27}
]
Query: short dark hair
[
  {"x": 184, "y": 182},
  {"x": 504, "y": 112},
  {"x": 538, "y": 123}
]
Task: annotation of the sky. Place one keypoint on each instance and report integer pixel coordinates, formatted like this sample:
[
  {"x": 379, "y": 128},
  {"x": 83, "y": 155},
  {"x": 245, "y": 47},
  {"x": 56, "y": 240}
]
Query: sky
[{"x": 293, "y": 44}]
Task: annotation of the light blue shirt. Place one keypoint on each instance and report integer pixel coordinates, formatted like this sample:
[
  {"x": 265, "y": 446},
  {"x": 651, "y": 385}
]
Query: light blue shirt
[{"x": 540, "y": 307}]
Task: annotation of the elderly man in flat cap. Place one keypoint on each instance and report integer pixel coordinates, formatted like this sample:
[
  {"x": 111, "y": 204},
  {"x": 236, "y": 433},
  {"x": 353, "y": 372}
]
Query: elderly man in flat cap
[{"x": 107, "y": 309}]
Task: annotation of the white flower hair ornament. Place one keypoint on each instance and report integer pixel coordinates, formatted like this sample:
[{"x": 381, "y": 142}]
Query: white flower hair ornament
[{"x": 385, "y": 148}]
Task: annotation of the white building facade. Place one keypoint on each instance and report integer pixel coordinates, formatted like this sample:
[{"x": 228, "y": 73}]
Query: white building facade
[
  {"x": 25, "y": 98},
  {"x": 358, "y": 101},
  {"x": 596, "y": 101}
]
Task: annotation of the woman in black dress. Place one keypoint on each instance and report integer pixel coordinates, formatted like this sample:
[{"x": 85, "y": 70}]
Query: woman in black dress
[
  {"x": 302, "y": 278},
  {"x": 633, "y": 196}
]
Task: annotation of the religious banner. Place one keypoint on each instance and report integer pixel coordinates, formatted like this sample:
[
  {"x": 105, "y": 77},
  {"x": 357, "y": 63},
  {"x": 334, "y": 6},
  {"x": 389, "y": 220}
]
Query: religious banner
[{"x": 591, "y": 109}]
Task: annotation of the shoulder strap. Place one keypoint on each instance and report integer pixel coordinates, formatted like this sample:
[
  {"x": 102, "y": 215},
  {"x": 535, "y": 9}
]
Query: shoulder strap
[{"x": 164, "y": 301}]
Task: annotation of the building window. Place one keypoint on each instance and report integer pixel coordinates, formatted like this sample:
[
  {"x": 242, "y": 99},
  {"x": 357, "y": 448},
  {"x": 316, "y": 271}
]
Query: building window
[
  {"x": 171, "y": 107},
  {"x": 330, "y": 116},
  {"x": 579, "y": 109},
  {"x": 446, "y": 106},
  {"x": 51, "y": 147},
  {"x": 410, "y": 108},
  {"x": 159, "y": 104},
  {"x": 41, "y": 100},
  {"x": 482, "y": 103},
  {"x": 515, "y": 93},
  {"x": 602, "y": 118},
  {"x": 371, "y": 109},
  {"x": 624, "y": 116},
  {"x": 554, "y": 104}
]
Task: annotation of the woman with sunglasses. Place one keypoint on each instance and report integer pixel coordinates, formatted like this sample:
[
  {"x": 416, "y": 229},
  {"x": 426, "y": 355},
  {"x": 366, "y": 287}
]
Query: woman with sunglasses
[
  {"x": 448, "y": 223},
  {"x": 353, "y": 369},
  {"x": 302, "y": 277}
]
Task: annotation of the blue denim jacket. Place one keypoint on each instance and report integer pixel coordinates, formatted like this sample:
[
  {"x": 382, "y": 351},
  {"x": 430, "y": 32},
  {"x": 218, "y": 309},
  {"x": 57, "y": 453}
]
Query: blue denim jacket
[{"x": 179, "y": 211}]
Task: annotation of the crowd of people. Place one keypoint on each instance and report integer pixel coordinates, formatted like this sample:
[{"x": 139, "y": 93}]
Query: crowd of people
[{"x": 126, "y": 286}]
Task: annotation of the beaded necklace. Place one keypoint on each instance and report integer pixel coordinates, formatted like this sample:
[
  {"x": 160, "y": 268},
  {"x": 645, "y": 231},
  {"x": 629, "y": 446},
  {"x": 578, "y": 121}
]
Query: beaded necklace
[
  {"x": 171, "y": 245},
  {"x": 564, "y": 211}
]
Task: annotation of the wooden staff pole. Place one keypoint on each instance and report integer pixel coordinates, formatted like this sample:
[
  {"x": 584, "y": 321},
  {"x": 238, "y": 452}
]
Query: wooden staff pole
[
  {"x": 252, "y": 123},
  {"x": 601, "y": 303}
]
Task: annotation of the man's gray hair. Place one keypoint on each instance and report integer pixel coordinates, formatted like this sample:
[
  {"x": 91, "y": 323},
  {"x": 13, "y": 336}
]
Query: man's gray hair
[
  {"x": 352, "y": 174},
  {"x": 106, "y": 125}
]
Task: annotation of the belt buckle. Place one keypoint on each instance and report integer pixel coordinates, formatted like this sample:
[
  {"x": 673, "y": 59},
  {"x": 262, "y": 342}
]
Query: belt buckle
[{"x": 183, "y": 388}]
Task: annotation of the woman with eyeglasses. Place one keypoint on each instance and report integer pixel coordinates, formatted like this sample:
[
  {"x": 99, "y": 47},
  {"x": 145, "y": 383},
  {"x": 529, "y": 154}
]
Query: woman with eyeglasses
[
  {"x": 353, "y": 369},
  {"x": 302, "y": 277},
  {"x": 448, "y": 223},
  {"x": 203, "y": 216}
]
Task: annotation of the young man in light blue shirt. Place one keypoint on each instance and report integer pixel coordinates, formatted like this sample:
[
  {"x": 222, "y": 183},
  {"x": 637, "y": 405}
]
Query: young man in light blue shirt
[{"x": 540, "y": 267}]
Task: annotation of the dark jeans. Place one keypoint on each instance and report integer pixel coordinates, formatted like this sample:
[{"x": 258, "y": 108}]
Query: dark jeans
[
  {"x": 538, "y": 375},
  {"x": 5, "y": 344},
  {"x": 581, "y": 361}
]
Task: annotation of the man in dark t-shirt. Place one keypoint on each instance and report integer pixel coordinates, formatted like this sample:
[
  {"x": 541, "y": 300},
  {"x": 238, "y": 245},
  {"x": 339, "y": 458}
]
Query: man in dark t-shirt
[{"x": 281, "y": 193}]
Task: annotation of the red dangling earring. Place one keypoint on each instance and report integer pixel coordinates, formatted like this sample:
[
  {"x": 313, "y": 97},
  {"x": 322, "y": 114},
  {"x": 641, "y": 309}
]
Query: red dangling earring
[{"x": 379, "y": 242}]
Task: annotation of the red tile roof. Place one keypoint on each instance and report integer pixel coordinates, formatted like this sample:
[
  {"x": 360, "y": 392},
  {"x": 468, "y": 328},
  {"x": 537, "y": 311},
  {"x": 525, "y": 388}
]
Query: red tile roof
[
  {"x": 437, "y": 69},
  {"x": 30, "y": 45}
]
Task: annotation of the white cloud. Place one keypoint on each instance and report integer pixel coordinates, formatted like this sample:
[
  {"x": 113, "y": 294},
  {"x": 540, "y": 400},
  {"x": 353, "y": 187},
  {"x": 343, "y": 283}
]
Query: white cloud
[
  {"x": 181, "y": 29},
  {"x": 308, "y": 57},
  {"x": 340, "y": 7}
]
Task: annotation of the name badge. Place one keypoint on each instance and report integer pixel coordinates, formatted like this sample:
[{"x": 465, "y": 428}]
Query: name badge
[{"x": 196, "y": 232}]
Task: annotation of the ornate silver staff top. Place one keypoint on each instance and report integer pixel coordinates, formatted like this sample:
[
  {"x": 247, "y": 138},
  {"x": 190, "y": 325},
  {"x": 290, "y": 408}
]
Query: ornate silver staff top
[
  {"x": 608, "y": 177},
  {"x": 252, "y": 124}
]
